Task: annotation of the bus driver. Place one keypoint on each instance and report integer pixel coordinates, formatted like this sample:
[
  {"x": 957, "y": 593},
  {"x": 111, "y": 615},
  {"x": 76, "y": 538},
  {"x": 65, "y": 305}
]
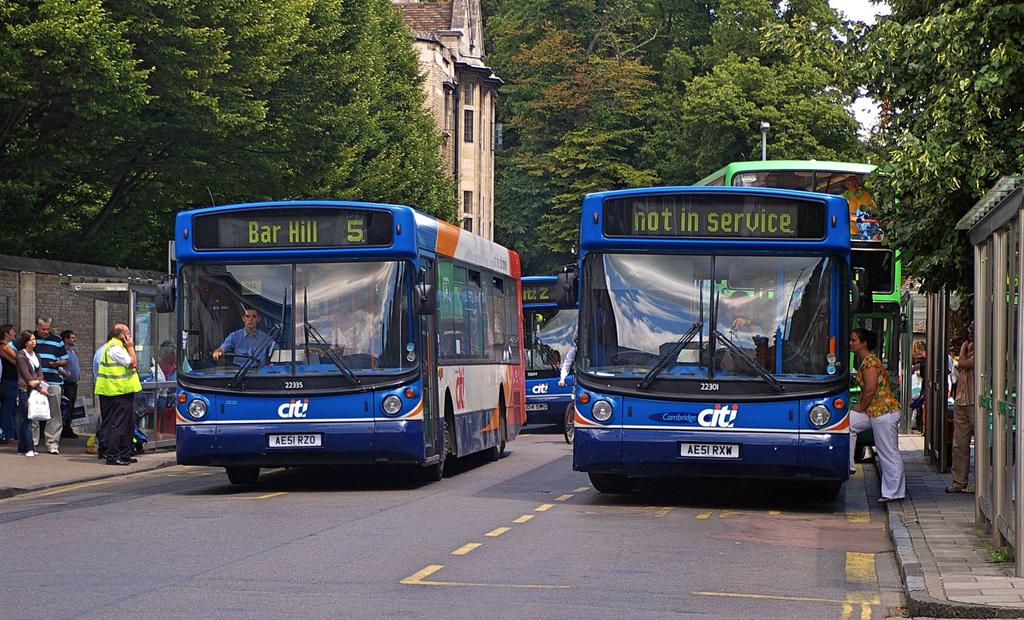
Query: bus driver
[{"x": 247, "y": 342}]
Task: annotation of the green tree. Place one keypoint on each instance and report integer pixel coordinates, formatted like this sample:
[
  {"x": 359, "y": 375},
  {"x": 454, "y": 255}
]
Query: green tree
[
  {"x": 141, "y": 108},
  {"x": 950, "y": 75}
]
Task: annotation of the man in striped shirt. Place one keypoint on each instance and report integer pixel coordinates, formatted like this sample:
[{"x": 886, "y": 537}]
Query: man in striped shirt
[{"x": 53, "y": 357}]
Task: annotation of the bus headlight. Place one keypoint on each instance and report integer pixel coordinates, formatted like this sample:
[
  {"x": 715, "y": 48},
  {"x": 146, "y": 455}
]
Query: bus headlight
[
  {"x": 602, "y": 411},
  {"x": 819, "y": 415},
  {"x": 391, "y": 405},
  {"x": 197, "y": 408}
]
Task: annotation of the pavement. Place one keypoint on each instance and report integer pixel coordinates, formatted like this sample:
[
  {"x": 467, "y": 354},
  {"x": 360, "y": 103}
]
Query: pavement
[
  {"x": 21, "y": 474},
  {"x": 944, "y": 560}
]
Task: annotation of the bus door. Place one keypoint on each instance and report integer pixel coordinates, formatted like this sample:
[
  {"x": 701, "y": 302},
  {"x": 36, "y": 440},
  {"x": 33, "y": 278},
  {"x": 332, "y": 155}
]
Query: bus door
[{"x": 433, "y": 427}]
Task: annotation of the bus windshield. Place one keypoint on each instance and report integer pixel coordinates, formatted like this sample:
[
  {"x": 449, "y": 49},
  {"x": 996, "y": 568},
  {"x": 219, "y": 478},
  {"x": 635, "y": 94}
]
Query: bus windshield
[
  {"x": 549, "y": 336},
  {"x": 775, "y": 311},
  {"x": 305, "y": 319}
]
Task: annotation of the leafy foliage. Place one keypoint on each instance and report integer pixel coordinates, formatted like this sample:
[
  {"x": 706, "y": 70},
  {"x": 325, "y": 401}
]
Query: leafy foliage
[
  {"x": 116, "y": 114},
  {"x": 950, "y": 75},
  {"x": 607, "y": 94}
]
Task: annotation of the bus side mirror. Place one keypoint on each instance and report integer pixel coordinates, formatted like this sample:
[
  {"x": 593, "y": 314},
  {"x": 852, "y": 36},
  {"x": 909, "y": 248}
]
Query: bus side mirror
[
  {"x": 861, "y": 291},
  {"x": 165, "y": 294},
  {"x": 565, "y": 290},
  {"x": 425, "y": 299}
]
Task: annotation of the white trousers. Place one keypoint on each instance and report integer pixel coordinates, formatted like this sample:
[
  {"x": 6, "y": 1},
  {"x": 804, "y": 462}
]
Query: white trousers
[{"x": 887, "y": 438}]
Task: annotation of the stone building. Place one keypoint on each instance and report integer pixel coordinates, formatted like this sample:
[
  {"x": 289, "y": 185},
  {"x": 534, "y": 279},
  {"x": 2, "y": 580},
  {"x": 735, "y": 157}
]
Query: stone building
[{"x": 460, "y": 94}]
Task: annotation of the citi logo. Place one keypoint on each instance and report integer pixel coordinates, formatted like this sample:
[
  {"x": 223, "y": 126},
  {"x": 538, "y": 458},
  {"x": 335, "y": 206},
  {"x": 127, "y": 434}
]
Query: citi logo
[
  {"x": 293, "y": 408},
  {"x": 540, "y": 388},
  {"x": 719, "y": 417}
]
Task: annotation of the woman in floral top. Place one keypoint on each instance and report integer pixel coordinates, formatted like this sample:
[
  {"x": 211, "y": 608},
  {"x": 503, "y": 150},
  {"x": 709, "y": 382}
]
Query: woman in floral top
[{"x": 878, "y": 409}]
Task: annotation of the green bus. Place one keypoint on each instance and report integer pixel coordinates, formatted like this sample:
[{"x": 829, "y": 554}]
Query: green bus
[{"x": 880, "y": 264}]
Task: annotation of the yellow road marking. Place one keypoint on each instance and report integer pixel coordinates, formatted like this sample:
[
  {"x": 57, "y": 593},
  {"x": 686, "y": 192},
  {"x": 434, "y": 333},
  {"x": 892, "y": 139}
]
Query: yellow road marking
[
  {"x": 523, "y": 519},
  {"x": 544, "y": 508},
  {"x": 498, "y": 531},
  {"x": 663, "y": 511},
  {"x": 860, "y": 567},
  {"x": 728, "y": 513},
  {"x": 562, "y": 498},
  {"x": 580, "y": 489},
  {"x": 858, "y": 516},
  {"x": 418, "y": 579},
  {"x": 774, "y": 513},
  {"x": 71, "y": 487},
  {"x": 865, "y": 611},
  {"x": 704, "y": 515},
  {"x": 867, "y": 598},
  {"x": 269, "y": 495},
  {"x": 464, "y": 549}
]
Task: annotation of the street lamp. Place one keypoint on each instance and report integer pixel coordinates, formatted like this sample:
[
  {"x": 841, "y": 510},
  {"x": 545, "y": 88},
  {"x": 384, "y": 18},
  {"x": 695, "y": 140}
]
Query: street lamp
[{"x": 764, "y": 140}]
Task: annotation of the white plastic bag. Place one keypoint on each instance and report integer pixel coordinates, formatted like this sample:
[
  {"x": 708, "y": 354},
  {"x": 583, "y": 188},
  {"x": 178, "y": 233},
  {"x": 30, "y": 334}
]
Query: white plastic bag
[{"x": 38, "y": 406}]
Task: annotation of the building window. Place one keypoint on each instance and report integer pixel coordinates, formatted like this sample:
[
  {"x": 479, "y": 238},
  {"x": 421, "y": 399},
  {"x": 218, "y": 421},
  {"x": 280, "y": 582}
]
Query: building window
[
  {"x": 467, "y": 93},
  {"x": 467, "y": 202},
  {"x": 467, "y": 223},
  {"x": 467, "y": 127},
  {"x": 447, "y": 109}
]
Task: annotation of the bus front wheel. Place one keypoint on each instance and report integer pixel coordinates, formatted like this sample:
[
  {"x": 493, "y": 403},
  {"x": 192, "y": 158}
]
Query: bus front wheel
[
  {"x": 243, "y": 475},
  {"x": 433, "y": 473},
  {"x": 610, "y": 483}
]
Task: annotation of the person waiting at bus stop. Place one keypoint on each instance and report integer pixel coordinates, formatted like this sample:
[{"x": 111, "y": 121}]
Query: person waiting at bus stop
[
  {"x": 878, "y": 409},
  {"x": 116, "y": 384},
  {"x": 247, "y": 342},
  {"x": 963, "y": 415}
]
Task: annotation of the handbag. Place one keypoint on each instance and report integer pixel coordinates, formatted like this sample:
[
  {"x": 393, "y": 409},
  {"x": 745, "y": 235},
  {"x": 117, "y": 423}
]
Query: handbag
[{"x": 38, "y": 407}]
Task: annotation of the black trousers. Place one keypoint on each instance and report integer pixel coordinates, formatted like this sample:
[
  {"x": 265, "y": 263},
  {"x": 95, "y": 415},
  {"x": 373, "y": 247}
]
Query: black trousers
[
  {"x": 115, "y": 433},
  {"x": 70, "y": 393}
]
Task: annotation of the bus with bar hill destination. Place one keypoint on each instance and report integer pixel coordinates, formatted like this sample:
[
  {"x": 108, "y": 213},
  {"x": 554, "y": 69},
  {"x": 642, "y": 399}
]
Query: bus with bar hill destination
[{"x": 326, "y": 332}]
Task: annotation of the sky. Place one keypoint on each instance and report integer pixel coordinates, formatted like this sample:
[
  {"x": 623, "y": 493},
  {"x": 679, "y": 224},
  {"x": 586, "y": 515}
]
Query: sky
[{"x": 865, "y": 109}]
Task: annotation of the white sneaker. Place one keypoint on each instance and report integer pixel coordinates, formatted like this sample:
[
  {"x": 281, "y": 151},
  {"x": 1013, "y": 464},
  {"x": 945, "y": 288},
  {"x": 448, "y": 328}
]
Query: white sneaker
[
  {"x": 54, "y": 450},
  {"x": 31, "y": 453}
]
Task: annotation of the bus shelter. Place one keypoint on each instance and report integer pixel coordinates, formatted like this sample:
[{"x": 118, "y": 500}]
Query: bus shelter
[
  {"x": 995, "y": 228},
  {"x": 155, "y": 347}
]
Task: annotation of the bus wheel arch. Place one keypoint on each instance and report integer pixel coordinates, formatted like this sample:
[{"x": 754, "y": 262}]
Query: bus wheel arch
[
  {"x": 449, "y": 425},
  {"x": 497, "y": 451}
]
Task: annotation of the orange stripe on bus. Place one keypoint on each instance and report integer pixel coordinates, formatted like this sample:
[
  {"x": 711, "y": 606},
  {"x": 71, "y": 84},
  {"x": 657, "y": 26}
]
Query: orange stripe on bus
[{"x": 447, "y": 238}]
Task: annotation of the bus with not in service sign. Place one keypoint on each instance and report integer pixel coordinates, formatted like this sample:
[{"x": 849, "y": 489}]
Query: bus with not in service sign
[
  {"x": 878, "y": 264},
  {"x": 549, "y": 330},
  {"x": 713, "y": 336},
  {"x": 319, "y": 332}
]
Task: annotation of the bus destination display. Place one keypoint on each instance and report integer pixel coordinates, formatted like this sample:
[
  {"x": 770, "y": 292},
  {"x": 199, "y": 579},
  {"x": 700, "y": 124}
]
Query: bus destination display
[
  {"x": 539, "y": 292},
  {"x": 713, "y": 216},
  {"x": 302, "y": 227}
]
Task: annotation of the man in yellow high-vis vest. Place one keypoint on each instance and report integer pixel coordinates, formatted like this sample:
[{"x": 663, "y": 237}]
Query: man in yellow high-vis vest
[{"x": 116, "y": 384}]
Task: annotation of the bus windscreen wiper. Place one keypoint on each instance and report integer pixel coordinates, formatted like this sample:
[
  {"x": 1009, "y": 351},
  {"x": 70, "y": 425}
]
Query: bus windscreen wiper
[
  {"x": 670, "y": 356},
  {"x": 312, "y": 333},
  {"x": 764, "y": 374},
  {"x": 257, "y": 354},
  {"x": 308, "y": 330}
]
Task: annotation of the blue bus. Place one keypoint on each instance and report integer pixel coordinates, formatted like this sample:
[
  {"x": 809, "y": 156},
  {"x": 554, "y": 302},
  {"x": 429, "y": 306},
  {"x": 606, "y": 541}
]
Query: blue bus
[
  {"x": 549, "y": 330},
  {"x": 713, "y": 336},
  {"x": 320, "y": 332}
]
